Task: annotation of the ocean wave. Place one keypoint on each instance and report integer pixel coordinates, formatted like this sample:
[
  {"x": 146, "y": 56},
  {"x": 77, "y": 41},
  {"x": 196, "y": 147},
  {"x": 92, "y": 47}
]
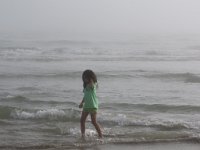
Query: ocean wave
[
  {"x": 19, "y": 49},
  {"x": 4, "y": 123},
  {"x": 134, "y": 137},
  {"x": 159, "y": 124},
  {"x": 74, "y": 74},
  {"x": 27, "y": 89},
  {"x": 142, "y": 140},
  {"x": 22, "y": 99},
  {"x": 194, "y": 47},
  {"x": 153, "y": 107},
  {"x": 73, "y": 115},
  {"x": 19, "y": 52},
  {"x": 44, "y": 75},
  {"x": 186, "y": 77},
  {"x": 67, "y": 42},
  {"x": 37, "y": 58},
  {"x": 7, "y": 112},
  {"x": 48, "y": 114},
  {"x": 15, "y": 98},
  {"x": 155, "y": 53}
]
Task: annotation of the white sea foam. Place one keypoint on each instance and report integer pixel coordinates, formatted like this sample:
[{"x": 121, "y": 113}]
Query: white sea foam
[
  {"x": 77, "y": 132},
  {"x": 40, "y": 114}
]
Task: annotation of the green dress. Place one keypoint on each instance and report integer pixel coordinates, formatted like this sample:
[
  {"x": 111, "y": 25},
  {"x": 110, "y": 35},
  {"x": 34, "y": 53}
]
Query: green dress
[{"x": 90, "y": 98}]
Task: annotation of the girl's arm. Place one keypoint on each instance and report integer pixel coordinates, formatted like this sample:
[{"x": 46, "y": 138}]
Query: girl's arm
[{"x": 81, "y": 104}]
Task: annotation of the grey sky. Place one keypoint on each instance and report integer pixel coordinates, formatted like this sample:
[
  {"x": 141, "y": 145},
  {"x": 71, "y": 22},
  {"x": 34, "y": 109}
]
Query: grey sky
[{"x": 100, "y": 16}]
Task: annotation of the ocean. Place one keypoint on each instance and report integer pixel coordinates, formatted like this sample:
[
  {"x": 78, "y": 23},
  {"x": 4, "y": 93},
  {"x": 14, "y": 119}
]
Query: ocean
[{"x": 148, "y": 91}]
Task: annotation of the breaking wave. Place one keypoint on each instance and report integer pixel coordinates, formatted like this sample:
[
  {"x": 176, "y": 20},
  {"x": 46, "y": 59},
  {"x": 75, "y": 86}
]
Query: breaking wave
[
  {"x": 186, "y": 77},
  {"x": 73, "y": 115},
  {"x": 7, "y": 112}
]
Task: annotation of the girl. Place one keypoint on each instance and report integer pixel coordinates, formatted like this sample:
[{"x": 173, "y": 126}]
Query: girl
[{"x": 90, "y": 101}]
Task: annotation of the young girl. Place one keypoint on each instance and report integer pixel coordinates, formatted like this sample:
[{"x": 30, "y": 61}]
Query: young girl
[{"x": 90, "y": 101}]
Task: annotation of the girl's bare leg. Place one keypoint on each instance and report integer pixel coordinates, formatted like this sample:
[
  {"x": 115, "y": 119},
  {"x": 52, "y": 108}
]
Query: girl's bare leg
[
  {"x": 96, "y": 125},
  {"x": 83, "y": 119}
]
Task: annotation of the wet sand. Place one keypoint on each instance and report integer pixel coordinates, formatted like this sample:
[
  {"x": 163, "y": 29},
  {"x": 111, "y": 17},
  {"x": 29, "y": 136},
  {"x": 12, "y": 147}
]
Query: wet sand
[{"x": 160, "y": 146}]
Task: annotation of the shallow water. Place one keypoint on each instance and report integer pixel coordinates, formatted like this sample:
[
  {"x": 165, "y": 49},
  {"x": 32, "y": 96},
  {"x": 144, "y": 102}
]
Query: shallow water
[{"x": 148, "y": 90}]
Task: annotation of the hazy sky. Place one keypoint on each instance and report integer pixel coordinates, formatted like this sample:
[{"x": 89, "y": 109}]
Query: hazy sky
[{"x": 100, "y": 16}]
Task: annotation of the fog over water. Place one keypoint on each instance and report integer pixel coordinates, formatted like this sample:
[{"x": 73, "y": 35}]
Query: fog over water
[{"x": 99, "y": 19}]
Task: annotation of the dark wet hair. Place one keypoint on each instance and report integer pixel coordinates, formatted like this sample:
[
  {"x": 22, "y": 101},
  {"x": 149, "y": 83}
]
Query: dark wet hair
[{"x": 89, "y": 74}]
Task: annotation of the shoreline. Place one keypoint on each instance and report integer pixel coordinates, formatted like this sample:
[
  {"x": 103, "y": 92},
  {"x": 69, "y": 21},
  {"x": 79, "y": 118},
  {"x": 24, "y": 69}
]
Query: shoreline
[{"x": 112, "y": 146}]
